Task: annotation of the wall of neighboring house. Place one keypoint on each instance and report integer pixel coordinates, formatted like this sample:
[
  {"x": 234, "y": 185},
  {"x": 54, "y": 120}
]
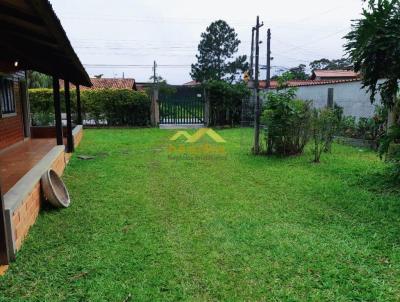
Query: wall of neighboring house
[
  {"x": 12, "y": 125},
  {"x": 351, "y": 96}
]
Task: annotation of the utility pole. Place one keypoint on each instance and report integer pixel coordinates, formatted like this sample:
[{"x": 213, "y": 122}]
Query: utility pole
[
  {"x": 252, "y": 54},
  {"x": 154, "y": 73},
  {"x": 256, "y": 148},
  {"x": 268, "y": 79}
]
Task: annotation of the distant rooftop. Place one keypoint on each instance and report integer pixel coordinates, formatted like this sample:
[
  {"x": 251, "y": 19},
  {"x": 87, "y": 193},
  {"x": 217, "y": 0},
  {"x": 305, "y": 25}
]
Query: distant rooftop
[
  {"x": 104, "y": 83},
  {"x": 192, "y": 83},
  {"x": 334, "y": 74},
  {"x": 299, "y": 83}
]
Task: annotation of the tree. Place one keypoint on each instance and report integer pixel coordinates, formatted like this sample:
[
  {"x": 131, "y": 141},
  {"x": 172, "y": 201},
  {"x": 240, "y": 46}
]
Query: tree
[
  {"x": 39, "y": 80},
  {"x": 325, "y": 123},
  {"x": 374, "y": 48},
  {"x": 226, "y": 102},
  {"x": 326, "y": 64},
  {"x": 163, "y": 87},
  {"x": 299, "y": 72},
  {"x": 217, "y": 49}
]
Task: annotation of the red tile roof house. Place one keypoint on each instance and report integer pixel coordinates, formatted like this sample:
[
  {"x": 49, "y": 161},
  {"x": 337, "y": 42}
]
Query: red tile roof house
[
  {"x": 335, "y": 88},
  {"x": 104, "y": 83},
  {"x": 331, "y": 75},
  {"x": 32, "y": 39}
]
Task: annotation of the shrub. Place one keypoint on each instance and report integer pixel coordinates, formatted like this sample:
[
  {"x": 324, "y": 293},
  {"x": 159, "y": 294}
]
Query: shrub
[
  {"x": 364, "y": 128},
  {"x": 287, "y": 123},
  {"x": 115, "y": 107},
  {"x": 324, "y": 126},
  {"x": 226, "y": 102}
]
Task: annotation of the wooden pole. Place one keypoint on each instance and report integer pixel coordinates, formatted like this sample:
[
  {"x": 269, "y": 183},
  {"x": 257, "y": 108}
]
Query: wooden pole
[
  {"x": 57, "y": 111},
  {"x": 256, "y": 148},
  {"x": 4, "y": 257},
  {"x": 252, "y": 54},
  {"x": 78, "y": 104},
  {"x": 268, "y": 80},
  {"x": 70, "y": 139}
]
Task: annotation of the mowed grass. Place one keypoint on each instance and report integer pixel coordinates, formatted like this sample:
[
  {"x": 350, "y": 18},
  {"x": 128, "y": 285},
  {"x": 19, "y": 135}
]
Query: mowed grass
[{"x": 143, "y": 227}]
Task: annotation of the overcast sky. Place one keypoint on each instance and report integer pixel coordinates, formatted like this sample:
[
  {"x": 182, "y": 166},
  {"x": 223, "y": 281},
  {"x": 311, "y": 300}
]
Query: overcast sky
[{"x": 137, "y": 32}]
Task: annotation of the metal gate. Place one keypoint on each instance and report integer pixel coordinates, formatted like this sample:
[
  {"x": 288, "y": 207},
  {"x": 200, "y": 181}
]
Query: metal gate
[{"x": 181, "y": 105}]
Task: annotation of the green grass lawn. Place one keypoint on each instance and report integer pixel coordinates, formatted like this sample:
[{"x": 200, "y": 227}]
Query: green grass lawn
[{"x": 143, "y": 227}]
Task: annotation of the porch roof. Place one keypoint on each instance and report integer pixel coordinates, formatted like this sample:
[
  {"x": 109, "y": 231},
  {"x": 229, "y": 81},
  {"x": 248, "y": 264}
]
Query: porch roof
[{"x": 32, "y": 35}]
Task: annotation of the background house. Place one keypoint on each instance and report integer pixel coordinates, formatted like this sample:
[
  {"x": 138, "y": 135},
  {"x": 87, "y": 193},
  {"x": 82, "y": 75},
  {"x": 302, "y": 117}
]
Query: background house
[
  {"x": 104, "y": 83},
  {"x": 346, "y": 93},
  {"x": 332, "y": 75}
]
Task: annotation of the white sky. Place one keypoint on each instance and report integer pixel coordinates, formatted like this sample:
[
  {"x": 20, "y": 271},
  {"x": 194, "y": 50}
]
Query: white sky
[{"x": 137, "y": 32}]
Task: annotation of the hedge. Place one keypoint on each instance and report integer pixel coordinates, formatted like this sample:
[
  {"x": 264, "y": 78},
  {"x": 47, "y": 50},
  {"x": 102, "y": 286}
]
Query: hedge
[
  {"x": 111, "y": 107},
  {"x": 226, "y": 102}
]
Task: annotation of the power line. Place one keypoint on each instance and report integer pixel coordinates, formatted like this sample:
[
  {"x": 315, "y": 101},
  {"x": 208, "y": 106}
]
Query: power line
[
  {"x": 135, "y": 65},
  {"x": 317, "y": 40}
]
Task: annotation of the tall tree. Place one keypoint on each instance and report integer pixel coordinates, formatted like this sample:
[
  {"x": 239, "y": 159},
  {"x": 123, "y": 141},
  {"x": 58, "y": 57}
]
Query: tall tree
[
  {"x": 216, "y": 59},
  {"x": 374, "y": 48},
  {"x": 326, "y": 64},
  {"x": 299, "y": 72}
]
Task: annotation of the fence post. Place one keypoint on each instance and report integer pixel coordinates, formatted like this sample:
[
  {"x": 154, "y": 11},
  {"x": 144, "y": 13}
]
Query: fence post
[
  {"x": 155, "y": 108},
  {"x": 207, "y": 121}
]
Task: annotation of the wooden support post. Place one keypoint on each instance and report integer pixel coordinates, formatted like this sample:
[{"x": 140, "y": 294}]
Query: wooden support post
[
  {"x": 57, "y": 111},
  {"x": 4, "y": 257},
  {"x": 70, "y": 139},
  {"x": 79, "y": 104}
]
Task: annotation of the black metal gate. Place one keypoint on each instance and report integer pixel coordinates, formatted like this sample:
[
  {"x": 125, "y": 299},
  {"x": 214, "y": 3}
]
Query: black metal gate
[{"x": 181, "y": 105}]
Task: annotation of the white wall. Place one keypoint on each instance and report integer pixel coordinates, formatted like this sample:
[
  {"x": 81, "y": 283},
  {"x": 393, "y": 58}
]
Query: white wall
[{"x": 354, "y": 100}]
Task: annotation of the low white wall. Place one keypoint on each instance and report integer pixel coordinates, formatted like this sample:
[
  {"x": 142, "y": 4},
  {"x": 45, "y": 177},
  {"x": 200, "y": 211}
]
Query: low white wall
[{"x": 354, "y": 100}]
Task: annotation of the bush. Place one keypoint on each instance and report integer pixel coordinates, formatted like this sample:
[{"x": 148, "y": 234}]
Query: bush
[
  {"x": 226, "y": 102},
  {"x": 364, "y": 128},
  {"x": 390, "y": 149},
  {"x": 287, "y": 123},
  {"x": 325, "y": 123},
  {"x": 113, "y": 107}
]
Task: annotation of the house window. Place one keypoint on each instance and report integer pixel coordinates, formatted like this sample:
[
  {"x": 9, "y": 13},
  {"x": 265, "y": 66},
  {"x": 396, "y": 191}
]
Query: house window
[{"x": 7, "y": 99}]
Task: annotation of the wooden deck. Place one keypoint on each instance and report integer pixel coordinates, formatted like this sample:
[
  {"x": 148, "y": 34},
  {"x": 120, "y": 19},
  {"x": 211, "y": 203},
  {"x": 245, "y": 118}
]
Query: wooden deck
[{"x": 17, "y": 160}]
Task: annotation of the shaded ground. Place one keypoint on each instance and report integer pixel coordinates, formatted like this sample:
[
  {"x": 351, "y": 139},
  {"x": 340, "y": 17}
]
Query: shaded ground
[{"x": 240, "y": 228}]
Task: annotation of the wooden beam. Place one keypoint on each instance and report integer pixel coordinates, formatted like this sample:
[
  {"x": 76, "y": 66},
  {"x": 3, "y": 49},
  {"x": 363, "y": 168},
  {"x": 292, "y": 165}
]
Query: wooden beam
[
  {"x": 57, "y": 111},
  {"x": 30, "y": 60},
  {"x": 4, "y": 257},
  {"x": 70, "y": 138},
  {"x": 19, "y": 22},
  {"x": 18, "y": 6},
  {"x": 18, "y": 35}
]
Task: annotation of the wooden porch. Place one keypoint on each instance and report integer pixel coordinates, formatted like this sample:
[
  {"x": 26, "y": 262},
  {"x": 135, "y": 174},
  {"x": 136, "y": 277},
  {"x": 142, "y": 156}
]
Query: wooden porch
[
  {"x": 20, "y": 158},
  {"x": 33, "y": 39}
]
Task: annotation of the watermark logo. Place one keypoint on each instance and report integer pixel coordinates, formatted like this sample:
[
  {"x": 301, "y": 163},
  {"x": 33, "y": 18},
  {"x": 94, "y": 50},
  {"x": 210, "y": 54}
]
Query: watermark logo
[
  {"x": 198, "y": 136},
  {"x": 205, "y": 144}
]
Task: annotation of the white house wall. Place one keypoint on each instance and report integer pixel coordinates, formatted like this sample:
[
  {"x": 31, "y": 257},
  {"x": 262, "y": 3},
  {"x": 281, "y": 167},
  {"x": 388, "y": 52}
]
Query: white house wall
[{"x": 354, "y": 100}]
